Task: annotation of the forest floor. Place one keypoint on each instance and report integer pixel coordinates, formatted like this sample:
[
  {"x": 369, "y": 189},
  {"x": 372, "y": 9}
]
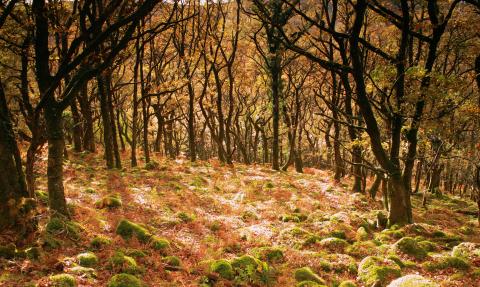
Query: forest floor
[{"x": 209, "y": 212}]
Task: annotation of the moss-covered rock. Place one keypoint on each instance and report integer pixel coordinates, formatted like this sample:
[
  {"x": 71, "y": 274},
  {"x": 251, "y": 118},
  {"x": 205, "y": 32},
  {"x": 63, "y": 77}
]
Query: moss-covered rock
[
  {"x": 33, "y": 253},
  {"x": 376, "y": 270},
  {"x": 124, "y": 280},
  {"x": 468, "y": 250},
  {"x": 409, "y": 246},
  {"x": 159, "y": 243},
  {"x": 172, "y": 263},
  {"x": 110, "y": 201},
  {"x": 309, "y": 284},
  {"x": 186, "y": 217},
  {"x": 83, "y": 271},
  {"x": 87, "y": 259},
  {"x": 63, "y": 280},
  {"x": 412, "y": 281},
  {"x": 127, "y": 229},
  {"x": 135, "y": 253},
  {"x": 223, "y": 268},
  {"x": 347, "y": 283},
  {"x": 293, "y": 217},
  {"x": 8, "y": 251},
  {"x": 249, "y": 269},
  {"x": 446, "y": 262},
  {"x": 58, "y": 226},
  {"x": 307, "y": 274},
  {"x": 362, "y": 248},
  {"x": 120, "y": 262},
  {"x": 334, "y": 244},
  {"x": 269, "y": 254},
  {"x": 99, "y": 241},
  {"x": 427, "y": 245},
  {"x": 362, "y": 234}
]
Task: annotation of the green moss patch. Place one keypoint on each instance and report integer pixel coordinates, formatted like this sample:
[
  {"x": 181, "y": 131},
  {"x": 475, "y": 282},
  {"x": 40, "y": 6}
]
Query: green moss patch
[
  {"x": 127, "y": 229},
  {"x": 120, "y": 262},
  {"x": 63, "y": 280},
  {"x": 307, "y": 274},
  {"x": 373, "y": 269},
  {"x": 100, "y": 241},
  {"x": 87, "y": 259},
  {"x": 124, "y": 280},
  {"x": 334, "y": 244},
  {"x": 447, "y": 262},
  {"x": 109, "y": 201},
  {"x": 71, "y": 229},
  {"x": 409, "y": 246}
]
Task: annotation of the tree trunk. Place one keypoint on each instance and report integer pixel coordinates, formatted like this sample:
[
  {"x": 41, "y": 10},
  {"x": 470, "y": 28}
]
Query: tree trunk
[
  {"x": 107, "y": 126},
  {"x": 376, "y": 184},
  {"x": 275, "y": 70},
  {"x": 12, "y": 180},
  {"x": 89, "y": 136},
  {"x": 77, "y": 126},
  {"x": 56, "y": 193}
]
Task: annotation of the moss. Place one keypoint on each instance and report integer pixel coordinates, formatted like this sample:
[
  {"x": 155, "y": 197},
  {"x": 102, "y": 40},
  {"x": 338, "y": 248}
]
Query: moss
[
  {"x": 347, "y": 284},
  {"x": 57, "y": 226},
  {"x": 309, "y": 284},
  {"x": 447, "y": 262},
  {"x": 408, "y": 246},
  {"x": 467, "y": 230},
  {"x": 90, "y": 190},
  {"x": 126, "y": 229},
  {"x": 427, "y": 245},
  {"x": 338, "y": 234},
  {"x": 109, "y": 201},
  {"x": 33, "y": 253},
  {"x": 412, "y": 281},
  {"x": 293, "y": 217},
  {"x": 41, "y": 196},
  {"x": 100, "y": 241},
  {"x": 397, "y": 260},
  {"x": 269, "y": 254},
  {"x": 374, "y": 269},
  {"x": 334, "y": 244},
  {"x": 172, "y": 262},
  {"x": 307, "y": 274},
  {"x": 87, "y": 259},
  {"x": 223, "y": 268},
  {"x": 215, "y": 226},
  {"x": 8, "y": 251},
  {"x": 49, "y": 242},
  {"x": 83, "y": 271},
  {"x": 248, "y": 269},
  {"x": 393, "y": 234},
  {"x": 63, "y": 280},
  {"x": 119, "y": 261},
  {"x": 124, "y": 280},
  {"x": 185, "y": 217},
  {"x": 159, "y": 243},
  {"x": 135, "y": 253},
  {"x": 467, "y": 250},
  {"x": 361, "y": 249},
  {"x": 151, "y": 165},
  {"x": 362, "y": 234}
]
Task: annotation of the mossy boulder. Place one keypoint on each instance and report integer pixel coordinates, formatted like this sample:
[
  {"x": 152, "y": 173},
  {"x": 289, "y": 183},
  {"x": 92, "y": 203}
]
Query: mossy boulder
[
  {"x": 362, "y": 234},
  {"x": 99, "y": 241},
  {"x": 427, "y": 245},
  {"x": 251, "y": 270},
  {"x": 361, "y": 249},
  {"x": 186, "y": 217},
  {"x": 135, "y": 253},
  {"x": 159, "y": 243},
  {"x": 124, "y": 280},
  {"x": 121, "y": 262},
  {"x": 83, "y": 271},
  {"x": 63, "y": 280},
  {"x": 127, "y": 229},
  {"x": 409, "y": 246},
  {"x": 334, "y": 244},
  {"x": 172, "y": 263},
  {"x": 468, "y": 250},
  {"x": 8, "y": 251},
  {"x": 348, "y": 283},
  {"x": 412, "y": 281},
  {"x": 269, "y": 254},
  {"x": 58, "y": 226},
  {"x": 87, "y": 259},
  {"x": 110, "y": 201},
  {"x": 293, "y": 217},
  {"x": 33, "y": 253},
  {"x": 309, "y": 284},
  {"x": 376, "y": 270},
  {"x": 446, "y": 262},
  {"x": 223, "y": 268},
  {"x": 306, "y": 274}
]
